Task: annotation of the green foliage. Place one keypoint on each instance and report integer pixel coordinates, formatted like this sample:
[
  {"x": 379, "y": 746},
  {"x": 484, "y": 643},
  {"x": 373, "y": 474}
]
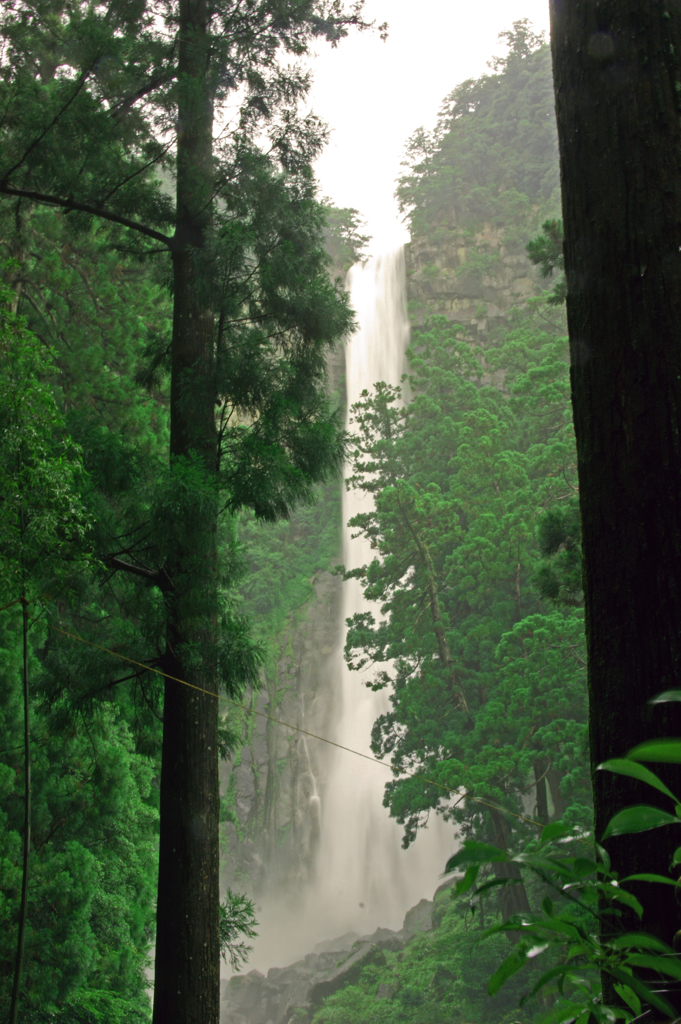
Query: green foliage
[
  {"x": 492, "y": 157},
  {"x": 546, "y": 252},
  {"x": 93, "y": 859},
  {"x": 580, "y": 922},
  {"x": 93, "y": 825},
  {"x": 440, "y": 975},
  {"x": 344, "y": 241},
  {"x": 41, "y": 515},
  {"x": 91, "y": 1007},
  {"x": 237, "y": 918},
  {"x": 463, "y": 478},
  {"x": 282, "y": 559},
  {"x": 96, "y": 113},
  {"x": 559, "y": 576}
]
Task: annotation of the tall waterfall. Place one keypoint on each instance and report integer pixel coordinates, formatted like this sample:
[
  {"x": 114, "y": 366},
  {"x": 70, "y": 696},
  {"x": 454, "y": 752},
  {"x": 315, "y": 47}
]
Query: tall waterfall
[{"x": 363, "y": 877}]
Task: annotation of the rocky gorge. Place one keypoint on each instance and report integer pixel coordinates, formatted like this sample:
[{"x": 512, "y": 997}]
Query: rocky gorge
[{"x": 296, "y": 992}]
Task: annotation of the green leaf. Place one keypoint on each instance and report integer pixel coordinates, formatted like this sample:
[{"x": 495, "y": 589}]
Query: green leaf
[
  {"x": 623, "y": 766},
  {"x": 664, "y": 964},
  {"x": 630, "y": 901},
  {"x": 628, "y": 995},
  {"x": 507, "y": 969},
  {"x": 637, "y": 819},
  {"x": 647, "y": 877},
  {"x": 554, "y": 831},
  {"x": 475, "y": 853},
  {"x": 643, "y": 992},
  {"x": 546, "y": 977},
  {"x": 604, "y": 858},
  {"x": 493, "y": 884},
  {"x": 468, "y": 880},
  {"x": 667, "y": 751},
  {"x": 676, "y": 859},
  {"x": 561, "y": 927},
  {"x": 547, "y": 906},
  {"x": 551, "y": 865},
  {"x": 665, "y": 697},
  {"x": 583, "y": 867},
  {"x": 639, "y": 940}
]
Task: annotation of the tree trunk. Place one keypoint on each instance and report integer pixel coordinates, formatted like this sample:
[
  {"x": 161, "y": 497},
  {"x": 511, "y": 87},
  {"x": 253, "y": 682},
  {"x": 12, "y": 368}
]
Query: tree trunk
[
  {"x": 559, "y": 806},
  {"x": 513, "y": 897},
  {"x": 616, "y": 73},
  {"x": 542, "y": 807},
  {"x": 187, "y": 969}
]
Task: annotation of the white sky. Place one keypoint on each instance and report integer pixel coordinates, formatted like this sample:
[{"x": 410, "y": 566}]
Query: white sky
[{"x": 374, "y": 95}]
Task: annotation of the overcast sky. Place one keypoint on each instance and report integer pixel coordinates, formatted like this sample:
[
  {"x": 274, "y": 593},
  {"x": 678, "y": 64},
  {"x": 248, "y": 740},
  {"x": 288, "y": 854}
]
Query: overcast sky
[{"x": 374, "y": 95}]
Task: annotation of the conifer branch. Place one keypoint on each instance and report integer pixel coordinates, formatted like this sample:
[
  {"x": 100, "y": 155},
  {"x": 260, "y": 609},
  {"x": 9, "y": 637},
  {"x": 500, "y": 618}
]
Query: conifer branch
[
  {"x": 155, "y": 577},
  {"x": 73, "y": 205},
  {"x": 39, "y": 138}
]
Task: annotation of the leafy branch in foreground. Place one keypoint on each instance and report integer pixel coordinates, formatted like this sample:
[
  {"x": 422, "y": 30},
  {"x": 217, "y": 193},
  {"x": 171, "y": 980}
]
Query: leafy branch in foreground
[
  {"x": 585, "y": 892},
  {"x": 237, "y": 917}
]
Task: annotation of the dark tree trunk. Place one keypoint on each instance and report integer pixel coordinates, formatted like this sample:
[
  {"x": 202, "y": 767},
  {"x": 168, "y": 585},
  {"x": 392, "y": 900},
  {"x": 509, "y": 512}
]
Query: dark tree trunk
[
  {"x": 513, "y": 898},
  {"x": 616, "y": 72},
  {"x": 558, "y": 800},
  {"x": 187, "y": 969},
  {"x": 542, "y": 811}
]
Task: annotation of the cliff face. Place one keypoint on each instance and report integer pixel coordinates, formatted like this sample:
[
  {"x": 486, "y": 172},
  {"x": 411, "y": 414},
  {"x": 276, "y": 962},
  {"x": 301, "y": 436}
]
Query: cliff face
[
  {"x": 478, "y": 188},
  {"x": 270, "y": 826},
  {"x": 472, "y": 278},
  {"x": 272, "y": 788}
]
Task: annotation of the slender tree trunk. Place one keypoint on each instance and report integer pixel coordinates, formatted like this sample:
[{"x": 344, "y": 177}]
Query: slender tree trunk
[
  {"x": 187, "y": 969},
  {"x": 444, "y": 651},
  {"x": 23, "y": 907},
  {"x": 513, "y": 897},
  {"x": 617, "y": 82},
  {"x": 559, "y": 807},
  {"x": 540, "y": 773}
]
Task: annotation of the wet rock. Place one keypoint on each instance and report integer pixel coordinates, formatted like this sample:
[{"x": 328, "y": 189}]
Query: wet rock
[
  {"x": 341, "y": 944},
  {"x": 442, "y": 899},
  {"x": 447, "y": 884},
  {"x": 418, "y": 919},
  {"x": 251, "y": 1000},
  {"x": 394, "y": 943},
  {"x": 348, "y": 972},
  {"x": 384, "y": 938},
  {"x": 293, "y": 993}
]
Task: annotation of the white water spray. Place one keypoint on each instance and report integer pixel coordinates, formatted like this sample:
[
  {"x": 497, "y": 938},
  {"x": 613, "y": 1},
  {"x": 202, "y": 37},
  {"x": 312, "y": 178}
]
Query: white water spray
[{"x": 363, "y": 879}]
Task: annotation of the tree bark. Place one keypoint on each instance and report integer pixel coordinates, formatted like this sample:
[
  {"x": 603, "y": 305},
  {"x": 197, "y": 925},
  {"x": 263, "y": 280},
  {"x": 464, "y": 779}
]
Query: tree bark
[
  {"x": 542, "y": 807},
  {"x": 559, "y": 806},
  {"x": 187, "y": 967},
  {"x": 616, "y": 75},
  {"x": 513, "y": 898}
]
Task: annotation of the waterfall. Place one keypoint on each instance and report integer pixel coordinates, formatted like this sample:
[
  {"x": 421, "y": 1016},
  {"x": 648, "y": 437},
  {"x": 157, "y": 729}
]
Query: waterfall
[{"x": 363, "y": 878}]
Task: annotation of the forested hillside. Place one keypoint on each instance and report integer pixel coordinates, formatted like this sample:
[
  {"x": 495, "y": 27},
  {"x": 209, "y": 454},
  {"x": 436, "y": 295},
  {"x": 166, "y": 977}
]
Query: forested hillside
[
  {"x": 146, "y": 405},
  {"x": 475, "y": 529},
  {"x": 85, "y": 412},
  {"x": 477, "y": 572}
]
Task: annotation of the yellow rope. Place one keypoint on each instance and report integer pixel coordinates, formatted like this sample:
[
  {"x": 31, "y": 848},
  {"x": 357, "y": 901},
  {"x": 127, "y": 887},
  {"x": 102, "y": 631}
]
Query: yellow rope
[{"x": 287, "y": 725}]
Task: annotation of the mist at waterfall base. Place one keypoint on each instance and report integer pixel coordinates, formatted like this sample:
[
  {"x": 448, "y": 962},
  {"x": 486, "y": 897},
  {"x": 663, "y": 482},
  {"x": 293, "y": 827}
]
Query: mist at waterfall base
[{"x": 363, "y": 879}]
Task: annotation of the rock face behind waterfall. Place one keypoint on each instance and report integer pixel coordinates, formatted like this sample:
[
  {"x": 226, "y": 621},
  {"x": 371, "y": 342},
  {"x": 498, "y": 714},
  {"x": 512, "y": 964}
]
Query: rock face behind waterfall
[
  {"x": 294, "y": 993},
  {"x": 273, "y": 783}
]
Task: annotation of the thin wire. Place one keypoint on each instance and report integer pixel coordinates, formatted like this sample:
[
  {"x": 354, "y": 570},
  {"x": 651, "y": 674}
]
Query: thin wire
[{"x": 287, "y": 725}]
